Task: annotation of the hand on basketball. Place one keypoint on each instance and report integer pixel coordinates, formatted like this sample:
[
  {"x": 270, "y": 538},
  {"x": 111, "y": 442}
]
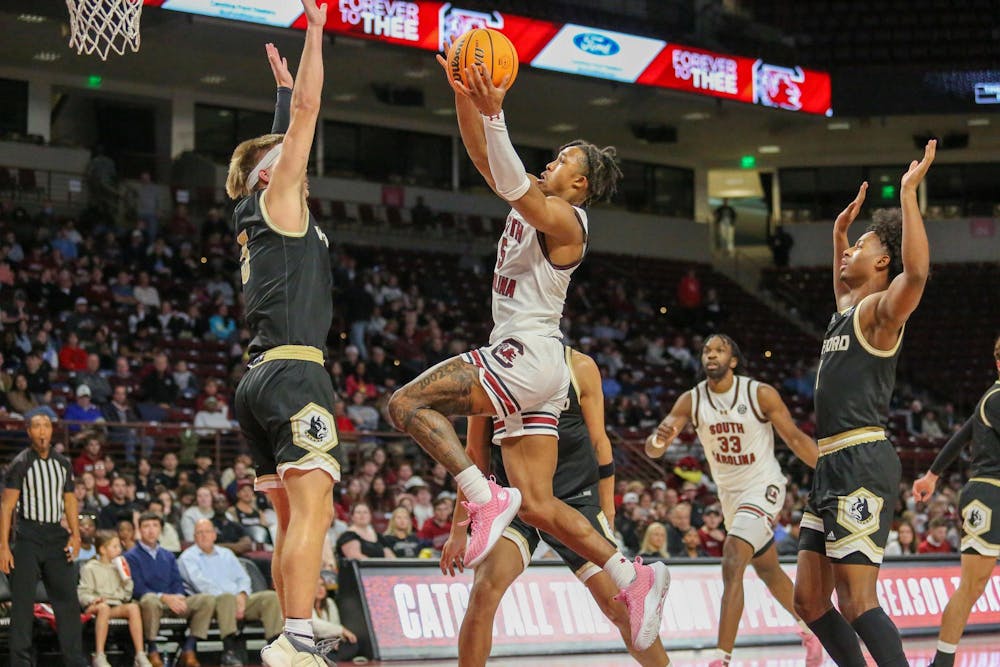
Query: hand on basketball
[
  {"x": 315, "y": 15},
  {"x": 915, "y": 174},
  {"x": 455, "y": 84},
  {"x": 848, "y": 215},
  {"x": 923, "y": 488},
  {"x": 279, "y": 67},
  {"x": 487, "y": 97},
  {"x": 453, "y": 554}
]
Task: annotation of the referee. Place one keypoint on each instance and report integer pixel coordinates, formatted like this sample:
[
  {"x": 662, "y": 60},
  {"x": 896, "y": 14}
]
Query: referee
[{"x": 39, "y": 486}]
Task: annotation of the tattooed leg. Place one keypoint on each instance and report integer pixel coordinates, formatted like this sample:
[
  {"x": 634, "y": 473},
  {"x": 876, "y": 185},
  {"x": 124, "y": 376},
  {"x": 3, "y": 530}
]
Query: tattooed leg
[{"x": 422, "y": 407}]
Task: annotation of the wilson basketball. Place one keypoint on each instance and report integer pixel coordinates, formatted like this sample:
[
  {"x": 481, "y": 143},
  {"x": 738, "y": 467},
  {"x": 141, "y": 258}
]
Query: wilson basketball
[{"x": 487, "y": 48}]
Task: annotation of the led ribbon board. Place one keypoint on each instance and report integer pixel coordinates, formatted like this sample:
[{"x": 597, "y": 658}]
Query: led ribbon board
[{"x": 569, "y": 48}]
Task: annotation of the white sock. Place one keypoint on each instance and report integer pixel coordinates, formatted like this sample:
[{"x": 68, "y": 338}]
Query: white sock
[
  {"x": 945, "y": 647},
  {"x": 804, "y": 628},
  {"x": 621, "y": 569},
  {"x": 723, "y": 656},
  {"x": 474, "y": 485},
  {"x": 301, "y": 629}
]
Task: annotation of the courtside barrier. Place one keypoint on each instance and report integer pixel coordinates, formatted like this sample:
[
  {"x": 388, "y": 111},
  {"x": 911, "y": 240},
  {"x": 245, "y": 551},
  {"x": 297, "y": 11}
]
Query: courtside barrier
[{"x": 412, "y": 611}]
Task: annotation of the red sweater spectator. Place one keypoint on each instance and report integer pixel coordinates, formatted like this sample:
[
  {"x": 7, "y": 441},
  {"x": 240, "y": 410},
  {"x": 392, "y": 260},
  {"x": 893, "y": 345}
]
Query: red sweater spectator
[
  {"x": 72, "y": 357},
  {"x": 936, "y": 541},
  {"x": 437, "y": 529},
  {"x": 689, "y": 291},
  {"x": 90, "y": 455}
]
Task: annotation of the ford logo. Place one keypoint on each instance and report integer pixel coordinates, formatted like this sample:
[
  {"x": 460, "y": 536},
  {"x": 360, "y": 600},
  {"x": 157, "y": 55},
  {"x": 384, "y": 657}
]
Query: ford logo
[{"x": 598, "y": 45}]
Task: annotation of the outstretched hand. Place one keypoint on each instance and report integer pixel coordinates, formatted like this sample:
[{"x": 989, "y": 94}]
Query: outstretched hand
[
  {"x": 279, "y": 67},
  {"x": 848, "y": 215},
  {"x": 315, "y": 15},
  {"x": 487, "y": 97},
  {"x": 915, "y": 174}
]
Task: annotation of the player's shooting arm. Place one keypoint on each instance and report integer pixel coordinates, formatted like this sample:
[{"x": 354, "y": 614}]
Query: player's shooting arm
[
  {"x": 905, "y": 290},
  {"x": 670, "y": 427},
  {"x": 470, "y": 126},
  {"x": 592, "y": 406},
  {"x": 840, "y": 242},
  {"x": 284, "y": 82},
  {"x": 776, "y": 412},
  {"x": 285, "y": 194}
]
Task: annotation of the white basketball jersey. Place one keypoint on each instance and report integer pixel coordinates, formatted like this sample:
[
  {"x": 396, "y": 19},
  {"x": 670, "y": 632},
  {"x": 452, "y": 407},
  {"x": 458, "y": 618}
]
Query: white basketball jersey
[
  {"x": 738, "y": 441},
  {"x": 529, "y": 292}
]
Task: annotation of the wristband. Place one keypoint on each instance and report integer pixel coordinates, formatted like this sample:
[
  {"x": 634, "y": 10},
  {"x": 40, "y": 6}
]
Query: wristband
[
  {"x": 509, "y": 177},
  {"x": 493, "y": 116},
  {"x": 606, "y": 471}
]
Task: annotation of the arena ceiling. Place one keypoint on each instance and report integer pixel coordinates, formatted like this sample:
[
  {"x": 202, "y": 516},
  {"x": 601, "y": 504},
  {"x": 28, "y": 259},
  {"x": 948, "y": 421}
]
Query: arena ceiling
[{"x": 223, "y": 62}]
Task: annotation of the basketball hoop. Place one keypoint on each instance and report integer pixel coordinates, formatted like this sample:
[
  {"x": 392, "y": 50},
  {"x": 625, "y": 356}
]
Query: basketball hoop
[{"x": 104, "y": 25}]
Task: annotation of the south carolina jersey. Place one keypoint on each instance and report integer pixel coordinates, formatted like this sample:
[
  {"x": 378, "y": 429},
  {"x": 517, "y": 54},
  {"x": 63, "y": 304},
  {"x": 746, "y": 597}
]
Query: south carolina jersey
[
  {"x": 738, "y": 441},
  {"x": 529, "y": 291}
]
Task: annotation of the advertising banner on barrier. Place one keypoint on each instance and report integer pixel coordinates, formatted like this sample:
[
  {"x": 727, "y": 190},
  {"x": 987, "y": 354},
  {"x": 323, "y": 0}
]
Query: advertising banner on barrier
[
  {"x": 570, "y": 48},
  {"x": 416, "y": 612}
]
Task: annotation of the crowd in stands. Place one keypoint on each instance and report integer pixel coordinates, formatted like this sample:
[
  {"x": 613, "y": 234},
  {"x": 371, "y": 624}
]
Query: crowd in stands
[{"x": 107, "y": 327}]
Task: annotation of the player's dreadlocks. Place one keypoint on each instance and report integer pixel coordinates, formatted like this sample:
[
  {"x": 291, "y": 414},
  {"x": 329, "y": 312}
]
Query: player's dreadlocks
[
  {"x": 887, "y": 223},
  {"x": 601, "y": 169}
]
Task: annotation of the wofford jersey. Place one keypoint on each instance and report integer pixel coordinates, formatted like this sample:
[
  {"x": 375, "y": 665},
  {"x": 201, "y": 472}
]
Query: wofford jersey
[
  {"x": 738, "y": 441},
  {"x": 529, "y": 291}
]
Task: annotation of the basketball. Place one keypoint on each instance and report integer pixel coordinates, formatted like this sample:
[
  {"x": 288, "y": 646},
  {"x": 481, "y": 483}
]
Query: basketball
[{"x": 488, "y": 48}]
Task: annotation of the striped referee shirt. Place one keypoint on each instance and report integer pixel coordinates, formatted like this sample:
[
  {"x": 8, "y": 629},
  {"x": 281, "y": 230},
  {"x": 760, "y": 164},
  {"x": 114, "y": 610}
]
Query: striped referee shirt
[{"x": 42, "y": 483}]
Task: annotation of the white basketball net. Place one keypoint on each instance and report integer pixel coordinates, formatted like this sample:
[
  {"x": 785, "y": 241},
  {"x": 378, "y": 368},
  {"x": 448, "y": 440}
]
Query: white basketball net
[{"x": 99, "y": 26}]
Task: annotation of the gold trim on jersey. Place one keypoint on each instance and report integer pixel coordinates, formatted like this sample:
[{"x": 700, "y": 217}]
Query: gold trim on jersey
[
  {"x": 986, "y": 480},
  {"x": 294, "y": 352},
  {"x": 521, "y": 542},
  {"x": 869, "y": 348},
  {"x": 277, "y": 230},
  {"x": 572, "y": 373},
  {"x": 856, "y": 436},
  {"x": 982, "y": 406}
]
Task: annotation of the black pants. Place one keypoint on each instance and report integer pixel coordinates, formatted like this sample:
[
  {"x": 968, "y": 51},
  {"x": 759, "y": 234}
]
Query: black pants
[{"x": 40, "y": 551}]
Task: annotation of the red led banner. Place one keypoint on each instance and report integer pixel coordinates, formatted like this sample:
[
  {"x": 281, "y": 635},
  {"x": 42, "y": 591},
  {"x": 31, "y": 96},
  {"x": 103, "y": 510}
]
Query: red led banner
[{"x": 570, "y": 48}]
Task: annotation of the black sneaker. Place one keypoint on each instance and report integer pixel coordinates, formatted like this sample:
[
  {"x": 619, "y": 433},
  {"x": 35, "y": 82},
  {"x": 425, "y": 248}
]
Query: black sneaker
[{"x": 230, "y": 659}]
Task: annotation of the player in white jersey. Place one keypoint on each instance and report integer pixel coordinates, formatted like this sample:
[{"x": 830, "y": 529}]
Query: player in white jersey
[
  {"x": 735, "y": 418},
  {"x": 521, "y": 378}
]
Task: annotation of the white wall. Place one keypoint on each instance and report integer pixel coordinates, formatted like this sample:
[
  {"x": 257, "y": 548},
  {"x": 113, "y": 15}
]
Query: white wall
[
  {"x": 29, "y": 156},
  {"x": 950, "y": 241}
]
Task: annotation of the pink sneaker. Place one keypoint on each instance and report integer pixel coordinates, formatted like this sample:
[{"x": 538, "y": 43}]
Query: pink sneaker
[
  {"x": 489, "y": 520},
  {"x": 644, "y": 600},
  {"x": 814, "y": 649},
  {"x": 718, "y": 663}
]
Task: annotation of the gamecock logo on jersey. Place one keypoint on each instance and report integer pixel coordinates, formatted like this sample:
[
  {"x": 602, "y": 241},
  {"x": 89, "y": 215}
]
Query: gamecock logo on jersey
[
  {"x": 507, "y": 352},
  {"x": 454, "y": 22},
  {"x": 775, "y": 86}
]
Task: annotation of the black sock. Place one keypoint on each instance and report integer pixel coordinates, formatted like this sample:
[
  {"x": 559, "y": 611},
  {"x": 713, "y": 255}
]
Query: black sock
[
  {"x": 881, "y": 636},
  {"x": 190, "y": 642},
  {"x": 229, "y": 643},
  {"x": 151, "y": 647},
  {"x": 943, "y": 660},
  {"x": 838, "y": 638}
]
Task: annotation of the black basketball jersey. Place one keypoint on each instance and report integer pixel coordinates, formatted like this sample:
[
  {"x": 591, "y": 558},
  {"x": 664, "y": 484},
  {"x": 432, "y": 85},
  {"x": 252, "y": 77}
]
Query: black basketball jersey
[
  {"x": 986, "y": 435},
  {"x": 287, "y": 281},
  {"x": 576, "y": 468},
  {"x": 855, "y": 380}
]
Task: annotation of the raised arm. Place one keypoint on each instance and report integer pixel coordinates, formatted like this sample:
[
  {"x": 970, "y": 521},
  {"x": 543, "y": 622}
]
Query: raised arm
[
  {"x": 905, "y": 290},
  {"x": 840, "y": 242},
  {"x": 284, "y": 81},
  {"x": 588, "y": 375},
  {"x": 285, "y": 194},
  {"x": 776, "y": 412},
  {"x": 470, "y": 126},
  {"x": 670, "y": 427}
]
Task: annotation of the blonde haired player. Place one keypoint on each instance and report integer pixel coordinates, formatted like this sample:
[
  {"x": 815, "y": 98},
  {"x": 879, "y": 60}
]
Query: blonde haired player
[{"x": 735, "y": 417}]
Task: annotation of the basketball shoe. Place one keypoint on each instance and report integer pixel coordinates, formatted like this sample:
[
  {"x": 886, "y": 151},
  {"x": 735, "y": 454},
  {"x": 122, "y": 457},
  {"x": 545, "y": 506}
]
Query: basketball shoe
[
  {"x": 287, "y": 651},
  {"x": 489, "y": 520},
  {"x": 644, "y": 600},
  {"x": 814, "y": 649}
]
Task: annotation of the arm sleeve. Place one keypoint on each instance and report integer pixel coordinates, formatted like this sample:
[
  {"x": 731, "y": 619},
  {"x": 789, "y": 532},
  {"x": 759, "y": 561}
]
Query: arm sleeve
[
  {"x": 952, "y": 448},
  {"x": 282, "y": 113},
  {"x": 508, "y": 171}
]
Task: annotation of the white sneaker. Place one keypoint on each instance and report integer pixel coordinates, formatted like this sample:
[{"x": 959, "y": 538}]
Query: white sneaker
[
  {"x": 142, "y": 660},
  {"x": 287, "y": 651},
  {"x": 100, "y": 660}
]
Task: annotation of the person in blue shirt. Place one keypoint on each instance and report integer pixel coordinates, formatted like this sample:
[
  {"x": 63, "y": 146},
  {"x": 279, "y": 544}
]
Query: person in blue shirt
[
  {"x": 160, "y": 589},
  {"x": 214, "y": 570},
  {"x": 83, "y": 410}
]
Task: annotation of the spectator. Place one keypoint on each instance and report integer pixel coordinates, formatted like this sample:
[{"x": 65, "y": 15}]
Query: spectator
[
  {"x": 91, "y": 454},
  {"x": 123, "y": 374},
  {"x": 326, "y": 624},
  {"x": 240, "y": 469},
  {"x": 160, "y": 589},
  {"x": 145, "y": 488},
  {"x": 203, "y": 471},
  {"x": 689, "y": 297},
  {"x": 149, "y": 202},
  {"x": 423, "y": 507},
  {"x": 169, "y": 537},
  {"x": 125, "y": 530},
  {"x": 421, "y": 215},
  {"x": 436, "y": 530},
  {"x": 930, "y": 426},
  {"x": 88, "y": 531},
  {"x": 83, "y": 410},
  {"x": 360, "y": 541},
  {"x": 209, "y": 568},
  {"x": 221, "y": 325},
  {"x": 185, "y": 379},
  {"x": 72, "y": 357},
  {"x": 105, "y": 591},
  {"x": 343, "y": 422},
  {"x": 211, "y": 419},
  {"x": 399, "y": 536},
  {"x": 780, "y": 243},
  {"x": 120, "y": 411},
  {"x": 100, "y": 388},
  {"x": 654, "y": 542},
  {"x": 231, "y": 534},
  {"x": 202, "y": 509},
  {"x": 93, "y": 501},
  {"x": 211, "y": 390},
  {"x": 118, "y": 506},
  {"x": 681, "y": 354},
  {"x": 365, "y": 417},
  {"x": 102, "y": 480},
  {"x": 654, "y": 352},
  {"x": 358, "y": 381},
  {"x": 680, "y": 523},
  {"x": 725, "y": 227},
  {"x": 711, "y": 533},
  {"x": 37, "y": 372},
  {"x": 158, "y": 387},
  {"x": 936, "y": 541},
  {"x": 146, "y": 294},
  {"x": 167, "y": 475},
  {"x": 245, "y": 509},
  {"x": 692, "y": 545},
  {"x": 789, "y": 544},
  {"x": 625, "y": 524},
  {"x": 905, "y": 541},
  {"x": 713, "y": 315}
]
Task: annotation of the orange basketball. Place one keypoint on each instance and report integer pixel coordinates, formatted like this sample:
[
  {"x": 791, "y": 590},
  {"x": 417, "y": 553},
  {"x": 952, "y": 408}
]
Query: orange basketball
[{"x": 487, "y": 48}]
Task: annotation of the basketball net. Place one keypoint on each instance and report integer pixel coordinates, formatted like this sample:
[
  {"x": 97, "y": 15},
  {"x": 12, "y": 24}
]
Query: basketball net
[{"x": 99, "y": 26}]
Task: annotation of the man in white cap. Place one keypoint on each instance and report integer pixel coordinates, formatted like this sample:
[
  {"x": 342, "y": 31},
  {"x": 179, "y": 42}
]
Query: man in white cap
[{"x": 83, "y": 410}]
